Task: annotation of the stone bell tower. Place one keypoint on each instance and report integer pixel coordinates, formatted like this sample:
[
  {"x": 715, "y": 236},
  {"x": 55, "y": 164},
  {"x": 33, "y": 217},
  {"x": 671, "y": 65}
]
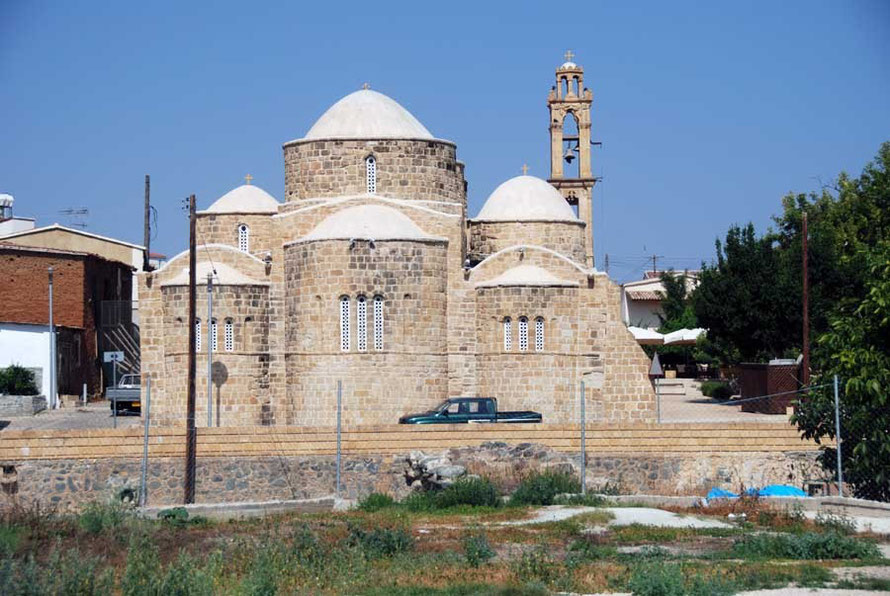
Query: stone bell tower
[{"x": 569, "y": 102}]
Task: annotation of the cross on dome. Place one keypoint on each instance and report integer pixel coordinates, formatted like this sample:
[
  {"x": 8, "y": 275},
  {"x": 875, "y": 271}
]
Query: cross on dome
[
  {"x": 525, "y": 169},
  {"x": 248, "y": 178},
  {"x": 569, "y": 55},
  {"x": 366, "y": 85}
]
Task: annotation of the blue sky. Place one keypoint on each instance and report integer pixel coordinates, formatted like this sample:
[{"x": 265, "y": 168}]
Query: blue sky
[{"x": 709, "y": 111}]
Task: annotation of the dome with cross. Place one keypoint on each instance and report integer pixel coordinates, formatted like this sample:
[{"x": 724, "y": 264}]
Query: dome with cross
[
  {"x": 367, "y": 114},
  {"x": 246, "y": 198},
  {"x": 526, "y": 198}
]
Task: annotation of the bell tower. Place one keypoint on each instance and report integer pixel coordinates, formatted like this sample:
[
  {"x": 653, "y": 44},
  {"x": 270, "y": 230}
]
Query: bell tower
[{"x": 569, "y": 102}]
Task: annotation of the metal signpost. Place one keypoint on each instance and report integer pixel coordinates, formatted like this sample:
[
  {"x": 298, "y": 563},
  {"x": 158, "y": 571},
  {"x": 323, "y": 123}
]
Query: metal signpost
[
  {"x": 114, "y": 358},
  {"x": 212, "y": 339},
  {"x": 656, "y": 372}
]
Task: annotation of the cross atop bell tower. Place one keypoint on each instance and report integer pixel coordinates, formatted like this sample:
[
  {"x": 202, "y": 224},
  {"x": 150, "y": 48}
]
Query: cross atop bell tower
[{"x": 569, "y": 103}]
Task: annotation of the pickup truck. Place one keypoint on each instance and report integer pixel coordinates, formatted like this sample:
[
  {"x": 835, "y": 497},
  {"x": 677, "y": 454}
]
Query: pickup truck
[
  {"x": 126, "y": 397},
  {"x": 462, "y": 410}
]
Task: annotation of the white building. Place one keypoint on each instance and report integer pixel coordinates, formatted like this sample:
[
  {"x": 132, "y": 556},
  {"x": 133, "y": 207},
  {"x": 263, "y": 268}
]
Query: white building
[{"x": 641, "y": 300}]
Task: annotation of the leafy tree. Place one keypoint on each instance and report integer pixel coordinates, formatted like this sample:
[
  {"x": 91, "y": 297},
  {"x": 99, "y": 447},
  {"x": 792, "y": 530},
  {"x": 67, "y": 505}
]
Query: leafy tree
[
  {"x": 856, "y": 348},
  {"x": 675, "y": 303}
]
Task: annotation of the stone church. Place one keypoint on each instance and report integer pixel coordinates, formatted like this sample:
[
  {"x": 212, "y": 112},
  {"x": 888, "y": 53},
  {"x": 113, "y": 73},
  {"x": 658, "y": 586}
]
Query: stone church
[{"x": 370, "y": 272}]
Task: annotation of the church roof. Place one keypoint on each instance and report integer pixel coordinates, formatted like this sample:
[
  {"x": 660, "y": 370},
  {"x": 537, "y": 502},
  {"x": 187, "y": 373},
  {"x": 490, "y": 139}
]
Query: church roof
[
  {"x": 246, "y": 198},
  {"x": 367, "y": 222},
  {"x": 525, "y": 275},
  {"x": 367, "y": 114},
  {"x": 224, "y": 276},
  {"x": 526, "y": 198}
]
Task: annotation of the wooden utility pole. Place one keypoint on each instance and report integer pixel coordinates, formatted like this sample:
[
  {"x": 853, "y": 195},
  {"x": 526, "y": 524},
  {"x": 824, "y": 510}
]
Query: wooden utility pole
[
  {"x": 805, "y": 361},
  {"x": 146, "y": 236},
  {"x": 191, "y": 433},
  {"x": 607, "y": 263}
]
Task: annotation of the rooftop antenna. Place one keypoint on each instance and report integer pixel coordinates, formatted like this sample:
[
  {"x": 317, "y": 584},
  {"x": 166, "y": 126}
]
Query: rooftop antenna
[{"x": 77, "y": 216}]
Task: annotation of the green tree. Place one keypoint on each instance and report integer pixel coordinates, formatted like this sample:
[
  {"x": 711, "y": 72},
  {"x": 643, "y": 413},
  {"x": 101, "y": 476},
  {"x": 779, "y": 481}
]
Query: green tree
[{"x": 856, "y": 348}]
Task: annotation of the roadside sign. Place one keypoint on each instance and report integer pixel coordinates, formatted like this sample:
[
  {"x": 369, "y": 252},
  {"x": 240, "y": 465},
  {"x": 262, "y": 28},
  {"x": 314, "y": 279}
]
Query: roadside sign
[
  {"x": 113, "y": 356},
  {"x": 655, "y": 370}
]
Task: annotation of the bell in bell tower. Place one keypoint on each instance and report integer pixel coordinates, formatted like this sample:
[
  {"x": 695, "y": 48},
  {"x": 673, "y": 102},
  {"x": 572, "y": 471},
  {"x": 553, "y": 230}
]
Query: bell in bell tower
[{"x": 569, "y": 102}]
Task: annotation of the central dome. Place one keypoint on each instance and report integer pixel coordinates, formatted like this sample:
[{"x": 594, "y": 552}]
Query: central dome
[
  {"x": 247, "y": 198},
  {"x": 367, "y": 114},
  {"x": 367, "y": 222},
  {"x": 526, "y": 198}
]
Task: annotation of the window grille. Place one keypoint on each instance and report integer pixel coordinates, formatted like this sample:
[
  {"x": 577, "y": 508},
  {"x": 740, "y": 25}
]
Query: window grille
[
  {"x": 230, "y": 336},
  {"x": 361, "y": 323},
  {"x": 378, "y": 322},
  {"x": 244, "y": 238},
  {"x": 345, "y": 343},
  {"x": 371, "y": 173},
  {"x": 197, "y": 335},
  {"x": 539, "y": 334},
  {"x": 508, "y": 334},
  {"x": 523, "y": 334},
  {"x": 213, "y": 343}
]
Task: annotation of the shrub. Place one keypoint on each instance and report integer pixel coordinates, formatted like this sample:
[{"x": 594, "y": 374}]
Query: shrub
[
  {"x": 143, "y": 570},
  {"x": 17, "y": 380},
  {"x": 100, "y": 517},
  {"x": 842, "y": 524},
  {"x": 827, "y": 545},
  {"x": 716, "y": 389},
  {"x": 380, "y": 542},
  {"x": 536, "y": 566},
  {"x": 477, "y": 492},
  {"x": 375, "y": 502},
  {"x": 542, "y": 488},
  {"x": 185, "y": 577},
  {"x": 477, "y": 549},
  {"x": 586, "y": 500}
]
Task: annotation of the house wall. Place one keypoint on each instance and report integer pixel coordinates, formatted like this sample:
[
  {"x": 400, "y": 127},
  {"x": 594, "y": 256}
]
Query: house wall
[{"x": 28, "y": 346}]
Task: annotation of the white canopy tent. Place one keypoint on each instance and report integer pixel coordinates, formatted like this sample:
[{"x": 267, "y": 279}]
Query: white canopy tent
[{"x": 680, "y": 337}]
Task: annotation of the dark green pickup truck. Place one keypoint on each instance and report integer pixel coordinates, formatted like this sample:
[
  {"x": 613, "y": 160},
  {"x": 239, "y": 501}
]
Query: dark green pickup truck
[{"x": 462, "y": 410}]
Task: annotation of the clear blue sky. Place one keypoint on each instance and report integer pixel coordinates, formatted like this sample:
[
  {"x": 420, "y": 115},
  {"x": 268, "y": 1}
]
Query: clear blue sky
[{"x": 709, "y": 111}]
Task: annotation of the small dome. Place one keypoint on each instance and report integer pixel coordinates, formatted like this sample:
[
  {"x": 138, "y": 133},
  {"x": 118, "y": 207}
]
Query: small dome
[
  {"x": 223, "y": 275},
  {"x": 568, "y": 65},
  {"x": 367, "y": 114},
  {"x": 367, "y": 222},
  {"x": 247, "y": 198},
  {"x": 526, "y": 275},
  {"x": 526, "y": 198}
]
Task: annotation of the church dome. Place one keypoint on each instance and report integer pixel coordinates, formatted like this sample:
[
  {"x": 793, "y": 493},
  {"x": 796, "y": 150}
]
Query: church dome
[
  {"x": 526, "y": 198},
  {"x": 367, "y": 114},
  {"x": 367, "y": 222},
  {"x": 247, "y": 198}
]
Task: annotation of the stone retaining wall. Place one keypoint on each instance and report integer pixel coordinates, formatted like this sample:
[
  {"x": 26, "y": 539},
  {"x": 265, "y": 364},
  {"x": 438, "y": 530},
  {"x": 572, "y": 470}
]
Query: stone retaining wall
[
  {"x": 68, "y": 483},
  {"x": 21, "y": 405}
]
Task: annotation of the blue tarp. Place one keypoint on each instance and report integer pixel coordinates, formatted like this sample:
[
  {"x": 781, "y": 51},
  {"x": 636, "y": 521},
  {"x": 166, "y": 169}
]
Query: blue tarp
[
  {"x": 776, "y": 490},
  {"x": 719, "y": 493}
]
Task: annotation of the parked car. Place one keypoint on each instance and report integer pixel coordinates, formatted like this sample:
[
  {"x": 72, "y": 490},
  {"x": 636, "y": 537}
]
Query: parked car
[
  {"x": 462, "y": 410},
  {"x": 126, "y": 398}
]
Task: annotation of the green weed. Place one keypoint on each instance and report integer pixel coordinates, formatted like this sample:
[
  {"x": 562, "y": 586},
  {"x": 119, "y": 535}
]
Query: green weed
[
  {"x": 477, "y": 549},
  {"x": 806, "y": 546},
  {"x": 543, "y": 487},
  {"x": 375, "y": 502}
]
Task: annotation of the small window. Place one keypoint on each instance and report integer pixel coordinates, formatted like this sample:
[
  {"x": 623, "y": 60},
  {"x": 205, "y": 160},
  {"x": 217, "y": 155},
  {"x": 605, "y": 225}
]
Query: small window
[
  {"x": 361, "y": 323},
  {"x": 244, "y": 238},
  {"x": 371, "y": 174},
  {"x": 213, "y": 337},
  {"x": 539, "y": 334},
  {"x": 378, "y": 322},
  {"x": 197, "y": 335},
  {"x": 523, "y": 334},
  {"x": 345, "y": 342},
  {"x": 230, "y": 336},
  {"x": 508, "y": 334}
]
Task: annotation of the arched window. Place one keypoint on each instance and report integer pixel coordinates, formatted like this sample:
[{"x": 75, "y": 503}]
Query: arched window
[
  {"x": 243, "y": 238},
  {"x": 371, "y": 174},
  {"x": 539, "y": 334},
  {"x": 345, "y": 342},
  {"x": 230, "y": 335},
  {"x": 213, "y": 336},
  {"x": 508, "y": 334},
  {"x": 378, "y": 322},
  {"x": 361, "y": 323},
  {"x": 523, "y": 334},
  {"x": 197, "y": 335}
]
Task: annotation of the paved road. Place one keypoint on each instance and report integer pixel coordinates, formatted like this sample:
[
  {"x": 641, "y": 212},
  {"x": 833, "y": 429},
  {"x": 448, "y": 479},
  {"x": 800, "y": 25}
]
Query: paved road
[
  {"x": 93, "y": 416},
  {"x": 695, "y": 407}
]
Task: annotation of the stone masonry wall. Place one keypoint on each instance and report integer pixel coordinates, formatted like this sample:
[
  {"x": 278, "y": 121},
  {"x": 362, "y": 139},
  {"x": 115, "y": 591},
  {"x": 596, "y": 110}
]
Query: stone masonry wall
[
  {"x": 406, "y": 169},
  {"x": 222, "y": 228},
  {"x": 411, "y": 369},
  {"x": 71, "y": 483},
  {"x": 488, "y": 237}
]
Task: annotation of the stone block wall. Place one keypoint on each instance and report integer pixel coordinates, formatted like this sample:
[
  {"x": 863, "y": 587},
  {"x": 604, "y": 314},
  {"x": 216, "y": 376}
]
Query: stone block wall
[
  {"x": 406, "y": 169},
  {"x": 222, "y": 228},
  {"x": 488, "y": 237},
  {"x": 411, "y": 369}
]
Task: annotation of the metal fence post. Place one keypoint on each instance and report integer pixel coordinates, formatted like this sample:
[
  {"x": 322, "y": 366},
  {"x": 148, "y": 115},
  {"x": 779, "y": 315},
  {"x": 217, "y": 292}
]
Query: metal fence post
[
  {"x": 339, "y": 405},
  {"x": 583, "y": 440},
  {"x": 657, "y": 401},
  {"x": 143, "y": 489},
  {"x": 837, "y": 435}
]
